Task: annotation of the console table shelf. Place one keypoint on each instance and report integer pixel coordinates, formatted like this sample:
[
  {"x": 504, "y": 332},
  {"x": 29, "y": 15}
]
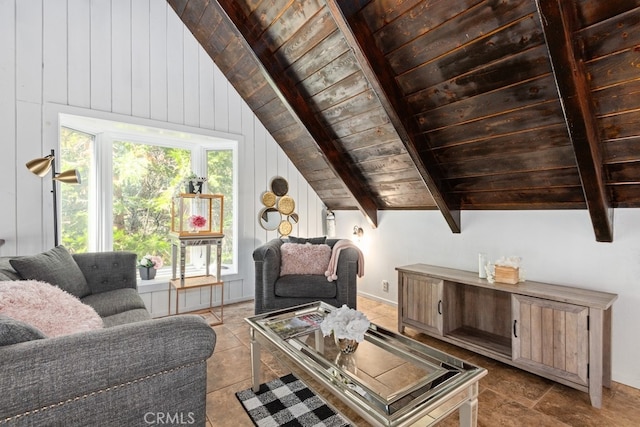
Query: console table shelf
[
  {"x": 476, "y": 337},
  {"x": 559, "y": 332}
]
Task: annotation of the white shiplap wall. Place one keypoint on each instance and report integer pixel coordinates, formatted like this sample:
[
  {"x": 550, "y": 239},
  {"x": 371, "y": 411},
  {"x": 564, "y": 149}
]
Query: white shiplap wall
[{"x": 123, "y": 60}]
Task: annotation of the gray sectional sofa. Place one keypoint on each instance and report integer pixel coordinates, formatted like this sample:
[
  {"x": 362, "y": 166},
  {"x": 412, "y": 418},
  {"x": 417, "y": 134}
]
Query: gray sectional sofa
[{"x": 134, "y": 371}]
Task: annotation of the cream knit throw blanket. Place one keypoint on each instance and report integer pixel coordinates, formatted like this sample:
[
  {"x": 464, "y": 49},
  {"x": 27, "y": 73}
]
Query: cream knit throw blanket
[{"x": 335, "y": 254}]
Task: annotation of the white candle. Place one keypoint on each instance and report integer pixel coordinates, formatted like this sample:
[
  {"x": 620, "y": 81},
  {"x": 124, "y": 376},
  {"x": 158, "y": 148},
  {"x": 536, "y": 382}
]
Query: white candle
[{"x": 482, "y": 262}]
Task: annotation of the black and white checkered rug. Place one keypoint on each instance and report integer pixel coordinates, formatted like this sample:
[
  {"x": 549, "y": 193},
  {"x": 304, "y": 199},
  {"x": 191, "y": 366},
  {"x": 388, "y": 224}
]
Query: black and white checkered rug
[{"x": 287, "y": 401}]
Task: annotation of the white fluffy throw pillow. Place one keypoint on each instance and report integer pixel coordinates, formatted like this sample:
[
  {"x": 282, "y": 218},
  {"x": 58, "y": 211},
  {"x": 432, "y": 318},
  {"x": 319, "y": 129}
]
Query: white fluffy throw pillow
[
  {"x": 47, "y": 308},
  {"x": 304, "y": 258}
]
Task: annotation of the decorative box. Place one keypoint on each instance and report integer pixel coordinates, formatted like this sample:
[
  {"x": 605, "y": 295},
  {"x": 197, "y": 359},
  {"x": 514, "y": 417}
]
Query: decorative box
[
  {"x": 197, "y": 215},
  {"x": 508, "y": 275}
]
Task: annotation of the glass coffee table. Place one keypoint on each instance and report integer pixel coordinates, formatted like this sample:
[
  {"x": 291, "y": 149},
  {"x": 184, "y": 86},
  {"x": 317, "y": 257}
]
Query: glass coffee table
[{"x": 390, "y": 380}]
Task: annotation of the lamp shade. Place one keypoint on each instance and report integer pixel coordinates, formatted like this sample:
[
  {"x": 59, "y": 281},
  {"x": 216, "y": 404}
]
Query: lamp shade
[
  {"x": 40, "y": 166},
  {"x": 68, "y": 177}
]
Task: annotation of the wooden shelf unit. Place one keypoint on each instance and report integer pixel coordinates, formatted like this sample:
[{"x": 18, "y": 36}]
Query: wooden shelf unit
[
  {"x": 559, "y": 332},
  {"x": 200, "y": 282}
]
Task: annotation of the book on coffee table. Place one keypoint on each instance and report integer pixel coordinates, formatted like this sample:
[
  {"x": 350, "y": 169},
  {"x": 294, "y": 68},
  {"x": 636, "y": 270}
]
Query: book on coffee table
[{"x": 298, "y": 325}]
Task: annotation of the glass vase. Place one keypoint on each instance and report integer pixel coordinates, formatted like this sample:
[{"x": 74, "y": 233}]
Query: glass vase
[{"x": 346, "y": 345}]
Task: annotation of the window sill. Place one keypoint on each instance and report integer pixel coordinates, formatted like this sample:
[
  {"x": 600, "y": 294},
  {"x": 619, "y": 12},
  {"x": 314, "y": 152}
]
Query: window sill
[
  {"x": 161, "y": 282},
  {"x": 158, "y": 284}
]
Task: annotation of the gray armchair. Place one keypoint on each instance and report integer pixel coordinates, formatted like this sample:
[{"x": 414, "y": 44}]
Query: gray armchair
[{"x": 273, "y": 292}]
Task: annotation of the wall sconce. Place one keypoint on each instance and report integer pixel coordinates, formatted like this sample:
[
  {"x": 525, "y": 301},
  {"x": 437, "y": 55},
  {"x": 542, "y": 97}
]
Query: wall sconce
[
  {"x": 41, "y": 167},
  {"x": 358, "y": 232}
]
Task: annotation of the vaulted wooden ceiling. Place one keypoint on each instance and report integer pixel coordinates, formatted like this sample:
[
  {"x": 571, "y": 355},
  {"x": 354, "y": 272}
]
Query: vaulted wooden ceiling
[{"x": 447, "y": 104}]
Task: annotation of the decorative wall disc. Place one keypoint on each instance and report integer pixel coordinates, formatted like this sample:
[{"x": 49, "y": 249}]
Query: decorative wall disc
[
  {"x": 286, "y": 205},
  {"x": 279, "y": 186},
  {"x": 268, "y": 199},
  {"x": 285, "y": 228}
]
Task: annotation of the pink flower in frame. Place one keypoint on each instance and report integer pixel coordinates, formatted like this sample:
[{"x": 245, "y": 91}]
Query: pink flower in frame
[{"x": 197, "y": 221}]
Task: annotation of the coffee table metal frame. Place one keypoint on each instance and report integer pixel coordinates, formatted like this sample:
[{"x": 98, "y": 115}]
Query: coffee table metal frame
[{"x": 452, "y": 384}]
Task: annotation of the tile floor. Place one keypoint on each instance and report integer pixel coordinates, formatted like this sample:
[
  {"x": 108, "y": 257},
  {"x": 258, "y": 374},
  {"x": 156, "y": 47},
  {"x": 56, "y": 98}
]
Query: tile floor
[{"x": 508, "y": 396}]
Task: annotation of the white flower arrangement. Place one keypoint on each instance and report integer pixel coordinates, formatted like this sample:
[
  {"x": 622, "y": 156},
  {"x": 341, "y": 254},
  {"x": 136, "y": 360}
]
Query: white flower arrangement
[{"x": 346, "y": 323}]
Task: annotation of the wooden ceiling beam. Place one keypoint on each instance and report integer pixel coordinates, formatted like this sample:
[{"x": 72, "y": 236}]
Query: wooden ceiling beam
[
  {"x": 378, "y": 73},
  {"x": 559, "y": 24},
  {"x": 285, "y": 88}
]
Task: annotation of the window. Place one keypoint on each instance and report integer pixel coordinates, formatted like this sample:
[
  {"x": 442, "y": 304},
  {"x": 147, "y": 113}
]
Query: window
[{"x": 130, "y": 174}]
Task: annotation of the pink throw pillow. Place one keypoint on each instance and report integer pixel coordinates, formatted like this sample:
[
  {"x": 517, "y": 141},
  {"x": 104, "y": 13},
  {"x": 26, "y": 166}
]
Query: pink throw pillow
[
  {"x": 46, "y": 307},
  {"x": 304, "y": 258}
]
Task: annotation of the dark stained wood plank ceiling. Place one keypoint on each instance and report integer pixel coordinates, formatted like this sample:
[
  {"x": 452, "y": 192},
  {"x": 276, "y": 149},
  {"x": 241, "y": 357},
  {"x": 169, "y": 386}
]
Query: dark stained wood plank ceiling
[{"x": 442, "y": 104}]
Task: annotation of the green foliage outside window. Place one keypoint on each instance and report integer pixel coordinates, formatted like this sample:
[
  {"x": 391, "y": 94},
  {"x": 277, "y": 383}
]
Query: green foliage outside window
[
  {"x": 144, "y": 181},
  {"x": 74, "y": 199}
]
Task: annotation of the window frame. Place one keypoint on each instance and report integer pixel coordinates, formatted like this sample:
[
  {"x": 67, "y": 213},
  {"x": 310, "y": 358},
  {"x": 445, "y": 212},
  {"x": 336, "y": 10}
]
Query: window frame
[{"x": 167, "y": 135}]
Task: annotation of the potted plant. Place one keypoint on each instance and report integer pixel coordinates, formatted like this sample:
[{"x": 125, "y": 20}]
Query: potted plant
[
  {"x": 193, "y": 183},
  {"x": 148, "y": 265}
]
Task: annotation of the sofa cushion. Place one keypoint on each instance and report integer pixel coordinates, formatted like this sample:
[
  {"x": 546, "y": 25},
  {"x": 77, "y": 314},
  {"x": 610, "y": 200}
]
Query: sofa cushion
[
  {"x": 13, "y": 331},
  {"x": 46, "y": 307},
  {"x": 114, "y": 302},
  {"x": 7, "y": 272},
  {"x": 56, "y": 266},
  {"x": 125, "y": 317},
  {"x": 305, "y": 286},
  {"x": 313, "y": 240},
  {"x": 304, "y": 259}
]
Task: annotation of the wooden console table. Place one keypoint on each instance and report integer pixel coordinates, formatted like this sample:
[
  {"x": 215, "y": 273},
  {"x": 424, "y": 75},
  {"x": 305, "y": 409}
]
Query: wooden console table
[
  {"x": 179, "y": 244},
  {"x": 558, "y": 332}
]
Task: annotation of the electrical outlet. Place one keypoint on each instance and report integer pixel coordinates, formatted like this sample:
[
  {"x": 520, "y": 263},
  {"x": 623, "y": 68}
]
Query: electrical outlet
[{"x": 385, "y": 286}]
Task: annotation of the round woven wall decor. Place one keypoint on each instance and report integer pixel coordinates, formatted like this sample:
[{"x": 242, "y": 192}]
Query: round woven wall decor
[
  {"x": 268, "y": 199},
  {"x": 286, "y": 205},
  {"x": 285, "y": 228}
]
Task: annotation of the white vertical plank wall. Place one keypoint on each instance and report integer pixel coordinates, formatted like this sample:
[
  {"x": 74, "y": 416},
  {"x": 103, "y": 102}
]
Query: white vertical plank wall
[
  {"x": 158, "y": 12},
  {"x": 8, "y": 131},
  {"x": 140, "y": 58},
  {"x": 133, "y": 58},
  {"x": 121, "y": 65},
  {"x": 28, "y": 81},
  {"x": 205, "y": 81},
  {"x": 101, "y": 54},
  {"x": 79, "y": 53},
  {"x": 55, "y": 54}
]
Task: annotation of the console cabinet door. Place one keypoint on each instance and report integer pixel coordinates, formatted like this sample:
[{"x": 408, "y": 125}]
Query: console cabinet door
[
  {"x": 551, "y": 337},
  {"x": 422, "y": 302}
]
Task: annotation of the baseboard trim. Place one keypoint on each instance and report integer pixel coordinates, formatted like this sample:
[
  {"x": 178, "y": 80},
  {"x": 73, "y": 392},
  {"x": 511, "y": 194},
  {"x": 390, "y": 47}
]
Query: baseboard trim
[{"x": 378, "y": 299}]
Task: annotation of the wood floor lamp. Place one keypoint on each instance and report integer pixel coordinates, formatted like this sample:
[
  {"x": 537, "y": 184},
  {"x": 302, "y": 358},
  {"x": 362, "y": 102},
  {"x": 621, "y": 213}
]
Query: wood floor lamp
[{"x": 41, "y": 167}]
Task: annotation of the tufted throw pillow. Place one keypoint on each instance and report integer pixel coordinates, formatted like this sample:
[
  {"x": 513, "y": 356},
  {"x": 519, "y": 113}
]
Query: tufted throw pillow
[
  {"x": 48, "y": 308},
  {"x": 56, "y": 266},
  {"x": 313, "y": 240},
  {"x": 305, "y": 258}
]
